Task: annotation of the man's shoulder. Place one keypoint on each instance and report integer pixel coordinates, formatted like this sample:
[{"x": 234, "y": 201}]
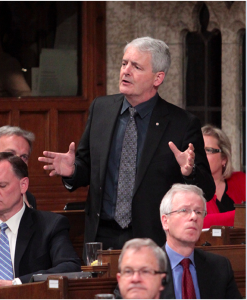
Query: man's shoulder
[
  {"x": 174, "y": 109},
  {"x": 109, "y": 98},
  {"x": 45, "y": 216},
  {"x": 209, "y": 257}
]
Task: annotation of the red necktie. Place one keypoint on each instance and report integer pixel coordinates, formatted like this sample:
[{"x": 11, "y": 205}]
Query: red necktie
[{"x": 188, "y": 290}]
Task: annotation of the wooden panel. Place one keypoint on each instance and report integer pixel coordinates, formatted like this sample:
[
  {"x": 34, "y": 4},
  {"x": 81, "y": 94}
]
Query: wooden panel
[
  {"x": 5, "y": 117},
  {"x": 44, "y": 117},
  {"x": 39, "y": 290},
  {"x": 73, "y": 121},
  {"x": 240, "y": 216},
  {"x": 66, "y": 289}
]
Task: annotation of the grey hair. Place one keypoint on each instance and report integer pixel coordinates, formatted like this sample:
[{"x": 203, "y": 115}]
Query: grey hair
[
  {"x": 139, "y": 243},
  {"x": 166, "y": 203},
  {"x": 15, "y": 130},
  {"x": 225, "y": 146},
  {"x": 161, "y": 58}
]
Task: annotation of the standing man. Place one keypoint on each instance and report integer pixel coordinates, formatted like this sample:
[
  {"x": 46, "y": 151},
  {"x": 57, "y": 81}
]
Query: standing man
[
  {"x": 19, "y": 142},
  {"x": 31, "y": 241},
  {"x": 125, "y": 154},
  {"x": 208, "y": 276},
  {"x": 142, "y": 270}
]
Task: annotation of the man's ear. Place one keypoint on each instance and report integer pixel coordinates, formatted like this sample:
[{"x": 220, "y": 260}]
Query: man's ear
[
  {"x": 163, "y": 282},
  {"x": 159, "y": 78},
  {"x": 164, "y": 222},
  {"x": 24, "y": 183}
]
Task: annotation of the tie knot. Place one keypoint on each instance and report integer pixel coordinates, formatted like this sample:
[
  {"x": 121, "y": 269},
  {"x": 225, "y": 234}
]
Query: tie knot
[
  {"x": 185, "y": 263},
  {"x": 132, "y": 111},
  {"x": 3, "y": 226}
]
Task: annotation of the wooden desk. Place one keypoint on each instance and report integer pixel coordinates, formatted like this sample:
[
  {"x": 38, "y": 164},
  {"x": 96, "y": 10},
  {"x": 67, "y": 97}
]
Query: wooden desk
[
  {"x": 240, "y": 216},
  {"x": 222, "y": 235},
  {"x": 60, "y": 287}
]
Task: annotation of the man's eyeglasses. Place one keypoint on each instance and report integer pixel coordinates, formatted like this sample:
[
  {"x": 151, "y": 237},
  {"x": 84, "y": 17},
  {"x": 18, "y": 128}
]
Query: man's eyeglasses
[
  {"x": 144, "y": 272},
  {"x": 185, "y": 212},
  {"x": 210, "y": 150}
]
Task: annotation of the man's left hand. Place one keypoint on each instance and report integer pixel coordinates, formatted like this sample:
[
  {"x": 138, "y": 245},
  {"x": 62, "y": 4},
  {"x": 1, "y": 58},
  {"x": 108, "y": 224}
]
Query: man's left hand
[{"x": 185, "y": 159}]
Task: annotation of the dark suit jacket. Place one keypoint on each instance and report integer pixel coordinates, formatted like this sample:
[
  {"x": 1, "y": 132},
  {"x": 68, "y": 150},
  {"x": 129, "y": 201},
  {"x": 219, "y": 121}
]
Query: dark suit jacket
[
  {"x": 157, "y": 169},
  {"x": 214, "y": 274},
  {"x": 43, "y": 245},
  {"x": 31, "y": 199}
]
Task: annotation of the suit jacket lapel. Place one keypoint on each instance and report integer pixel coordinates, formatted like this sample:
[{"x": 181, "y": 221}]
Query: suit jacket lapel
[
  {"x": 168, "y": 292},
  {"x": 157, "y": 125},
  {"x": 25, "y": 232},
  {"x": 202, "y": 274},
  {"x": 106, "y": 137}
]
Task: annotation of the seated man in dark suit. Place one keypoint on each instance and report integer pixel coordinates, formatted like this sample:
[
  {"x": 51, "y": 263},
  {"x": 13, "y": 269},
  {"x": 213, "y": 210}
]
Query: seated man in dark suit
[
  {"x": 35, "y": 242},
  {"x": 142, "y": 268},
  {"x": 210, "y": 276},
  {"x": 19, "y": 142}
]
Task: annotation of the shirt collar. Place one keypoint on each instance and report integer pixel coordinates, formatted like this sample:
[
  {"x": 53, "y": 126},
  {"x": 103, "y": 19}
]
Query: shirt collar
[
  {"x": 175, "y": 258},
  {"x": 143, "y": 108},
  {"x": 14, "y": 221}
]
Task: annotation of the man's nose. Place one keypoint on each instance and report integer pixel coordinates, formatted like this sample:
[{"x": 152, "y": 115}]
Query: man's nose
[
  {"x": 136, "y": 276},
  {"x": 127, "y": 69},
  {"x": 193, "y": 215}
]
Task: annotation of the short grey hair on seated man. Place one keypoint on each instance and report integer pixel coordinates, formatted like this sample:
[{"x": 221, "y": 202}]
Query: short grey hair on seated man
[
  {"x": 161, "y": 58},
  {"x": 166, "y": 205},
  {"x": 15, "y": 130},
  {"x": 137, "y": 244}
]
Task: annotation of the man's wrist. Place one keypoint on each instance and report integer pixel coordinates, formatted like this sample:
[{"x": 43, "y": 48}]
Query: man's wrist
[
  {"x": 192, "y": 174},
  {"x": 16, "y": 281}
]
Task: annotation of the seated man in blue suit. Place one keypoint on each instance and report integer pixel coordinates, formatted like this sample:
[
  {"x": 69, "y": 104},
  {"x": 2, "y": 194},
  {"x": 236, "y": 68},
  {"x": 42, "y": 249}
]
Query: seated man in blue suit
[
  {"x": 35, "y": 241},
  {"x": 182, "y": 212}
]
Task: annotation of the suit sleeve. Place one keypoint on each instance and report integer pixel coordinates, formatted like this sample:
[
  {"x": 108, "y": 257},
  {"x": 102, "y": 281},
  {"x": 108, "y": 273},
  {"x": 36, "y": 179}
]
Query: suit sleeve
[
  {"x": 203, "y": 177},
  {"x": 62, "y": 255}
]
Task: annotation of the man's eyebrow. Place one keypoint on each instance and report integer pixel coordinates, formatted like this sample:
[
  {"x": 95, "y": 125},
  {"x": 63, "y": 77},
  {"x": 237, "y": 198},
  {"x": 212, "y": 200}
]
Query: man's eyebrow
[{"x": 10, "y": 150}]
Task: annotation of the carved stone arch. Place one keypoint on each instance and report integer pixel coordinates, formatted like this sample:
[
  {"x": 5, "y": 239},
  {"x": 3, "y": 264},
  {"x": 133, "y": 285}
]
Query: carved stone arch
[
  {"x": 237, "y": 26},
  {"x": 196, "y": 14}
]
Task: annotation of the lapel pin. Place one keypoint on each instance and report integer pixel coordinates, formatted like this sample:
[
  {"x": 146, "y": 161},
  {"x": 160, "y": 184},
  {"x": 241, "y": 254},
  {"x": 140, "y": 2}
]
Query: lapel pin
[{"x": 157, "y": 124}]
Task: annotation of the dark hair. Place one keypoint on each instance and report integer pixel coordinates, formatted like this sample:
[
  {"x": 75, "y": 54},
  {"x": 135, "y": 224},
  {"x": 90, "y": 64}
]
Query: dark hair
[{"x": 19, "y": 167}]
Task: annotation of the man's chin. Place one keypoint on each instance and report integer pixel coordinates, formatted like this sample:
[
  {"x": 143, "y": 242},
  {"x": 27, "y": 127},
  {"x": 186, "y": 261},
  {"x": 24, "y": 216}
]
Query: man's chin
[{"x": 137, "y": 293}]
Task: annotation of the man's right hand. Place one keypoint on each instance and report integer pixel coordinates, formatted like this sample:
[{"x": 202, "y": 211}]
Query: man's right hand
[{"x": 60, "y": 163}]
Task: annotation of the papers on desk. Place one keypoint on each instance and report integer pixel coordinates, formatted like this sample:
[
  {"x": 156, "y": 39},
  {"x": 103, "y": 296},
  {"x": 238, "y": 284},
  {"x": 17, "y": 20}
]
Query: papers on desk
[{"x": 57, "y": 74}]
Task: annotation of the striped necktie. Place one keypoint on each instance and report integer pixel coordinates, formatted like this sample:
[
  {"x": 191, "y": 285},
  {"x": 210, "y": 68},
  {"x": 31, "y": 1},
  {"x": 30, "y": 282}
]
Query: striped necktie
[
  {"x": 6, "y": 268},
  {"x": 127, "y": 172}
]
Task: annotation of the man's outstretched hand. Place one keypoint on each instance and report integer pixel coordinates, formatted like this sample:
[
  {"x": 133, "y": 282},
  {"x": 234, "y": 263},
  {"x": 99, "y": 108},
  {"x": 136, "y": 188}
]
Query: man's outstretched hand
[
  {"x": 185, "y": 159},
  {"x": 60, "y": 163}
]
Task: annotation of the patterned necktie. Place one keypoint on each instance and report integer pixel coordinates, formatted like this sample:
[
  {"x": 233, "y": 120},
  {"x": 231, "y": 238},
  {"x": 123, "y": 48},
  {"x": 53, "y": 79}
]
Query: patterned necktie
[
  {"x": 6, "y": 269},
  {"x": 188, "y": 290},
  {"x": 127, "y": 172}
]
